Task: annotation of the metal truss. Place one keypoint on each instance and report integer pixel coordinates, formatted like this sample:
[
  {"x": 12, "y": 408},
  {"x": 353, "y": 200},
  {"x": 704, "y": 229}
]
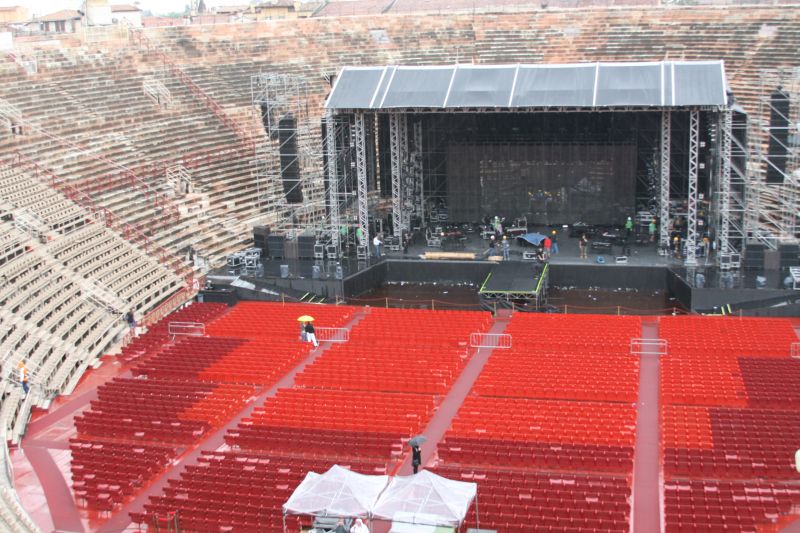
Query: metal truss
[
  {"x": 10, "y": 113},
  {"x": 773, "y": 207},
  {"x": 417, "y": 176},
  {"x": 691, "y": 218},
  {"x": 663, "y": 192},
  {"x": 179, "y": 179},
  {"x": 398, "y": 140},
  {"x": 536, "y": 298},
  {"x": 724, "y": 194},
  {"x": 333, "y": 191},
  {"x": 738, "y": 186},
  {"x": 362, "y": 175},
  {"x": 406, "y": 178},
  {"x": 280, "y": 97},
  {"x": 155, "y": 89}
]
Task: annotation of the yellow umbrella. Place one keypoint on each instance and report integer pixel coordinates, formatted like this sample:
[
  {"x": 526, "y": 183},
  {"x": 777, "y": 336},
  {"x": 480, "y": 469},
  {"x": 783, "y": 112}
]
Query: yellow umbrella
[{"x": 305, "y": 318}]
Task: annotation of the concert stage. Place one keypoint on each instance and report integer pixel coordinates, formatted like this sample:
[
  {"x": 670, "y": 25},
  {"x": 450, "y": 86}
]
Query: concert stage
[{"x": 643, "y": 270}]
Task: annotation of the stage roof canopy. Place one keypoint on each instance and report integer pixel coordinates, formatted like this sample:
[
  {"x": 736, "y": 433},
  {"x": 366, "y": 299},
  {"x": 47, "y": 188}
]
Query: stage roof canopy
[{"x": 582, "y": 85}]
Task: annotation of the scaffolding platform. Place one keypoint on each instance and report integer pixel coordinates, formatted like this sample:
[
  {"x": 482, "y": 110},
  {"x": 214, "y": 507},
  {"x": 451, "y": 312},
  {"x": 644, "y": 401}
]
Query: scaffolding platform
[{"x": 516, "y": 282}]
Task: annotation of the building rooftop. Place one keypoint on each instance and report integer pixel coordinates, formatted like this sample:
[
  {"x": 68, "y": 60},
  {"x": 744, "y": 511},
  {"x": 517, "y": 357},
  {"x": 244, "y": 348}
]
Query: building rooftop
[
  {"x": 64, "y": 14},
  {"x": 122, "y": 8}
]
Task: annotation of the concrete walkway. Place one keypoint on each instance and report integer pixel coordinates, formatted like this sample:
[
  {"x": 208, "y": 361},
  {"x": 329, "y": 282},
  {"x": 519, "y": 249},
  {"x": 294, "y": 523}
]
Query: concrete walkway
[
  {"x": 448, "y": 409},
  {"x": 646, "y": 506}
]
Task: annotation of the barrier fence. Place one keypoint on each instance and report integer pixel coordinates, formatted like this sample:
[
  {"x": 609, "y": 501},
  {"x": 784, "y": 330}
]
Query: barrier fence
[
  {"x": 794, "y": 350},
  {"x": 648, "y": 347},
  {"x": 332, "y": 334},
  {"x": 490, "y": 340},
  {"x": 188, "y": 329}
]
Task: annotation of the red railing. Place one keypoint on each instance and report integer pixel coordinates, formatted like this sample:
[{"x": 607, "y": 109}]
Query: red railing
[
  {"x": 111, "y": 220},
  {"x": 210, "y": 103},
  {"x": 172, "y": 303},
  {"x": 246, "y": 140},
  {"x": 122, "y": 177}
]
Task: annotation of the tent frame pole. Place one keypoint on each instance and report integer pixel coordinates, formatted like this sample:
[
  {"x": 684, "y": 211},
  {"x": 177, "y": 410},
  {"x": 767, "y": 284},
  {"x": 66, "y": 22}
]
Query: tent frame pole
[{"x": 477, "y": 512}]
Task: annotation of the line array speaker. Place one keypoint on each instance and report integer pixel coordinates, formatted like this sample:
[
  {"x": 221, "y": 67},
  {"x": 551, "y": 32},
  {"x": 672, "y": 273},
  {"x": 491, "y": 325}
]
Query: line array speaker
[
  {"x": 290, "y": 159},
  {"x": 260, "y": 235},
  {"x": 777, "y": 149},
  {"x": 790, "y": 255},
  {"x": 305, "y": 246},
  {"x": 754, "y": 257},
  {"x": 275, "y": 246}
]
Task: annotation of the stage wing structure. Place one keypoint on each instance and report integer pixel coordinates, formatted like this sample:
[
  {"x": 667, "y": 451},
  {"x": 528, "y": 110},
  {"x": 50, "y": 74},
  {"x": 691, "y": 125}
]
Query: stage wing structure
[{"x": 586, "y": 85}]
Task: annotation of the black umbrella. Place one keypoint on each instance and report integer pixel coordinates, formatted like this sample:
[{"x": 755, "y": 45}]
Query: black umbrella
[{"x": 417, "y": 441}]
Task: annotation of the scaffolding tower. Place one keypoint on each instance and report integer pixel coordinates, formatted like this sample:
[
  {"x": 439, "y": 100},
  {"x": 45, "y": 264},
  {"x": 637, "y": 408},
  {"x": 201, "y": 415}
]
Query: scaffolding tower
[
  {"x": 290, "y": 177},
  {"x": 775, "y": 179}
]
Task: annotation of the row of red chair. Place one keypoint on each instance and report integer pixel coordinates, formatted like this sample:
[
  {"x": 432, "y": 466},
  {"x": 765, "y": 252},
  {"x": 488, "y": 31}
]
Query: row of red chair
[
  {"x": 260, "y": 362},
  {"x": 276, "y": 320},
  {"x": 727, "y": 336},
  {"x": 545, "y": 421},
  {"x": 355, "y": 410},
  {"x": 508, "y": 500},
  {"x": 315, "y": 442},
  {"x": 158, "y": 334},
  {"x": 739, "y": 390},
  {"x": 227, "y": 491},
  {"x": 547, "y": 375},
  {"x": 773, "y": 383},
  {"x": 550, "y": 457},
  {"x": 727, "y": 506},
  {"x": 104, "y": 474}
]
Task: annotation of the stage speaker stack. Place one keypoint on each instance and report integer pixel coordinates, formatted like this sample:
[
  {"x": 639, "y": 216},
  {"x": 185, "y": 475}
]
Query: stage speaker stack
[
  {"x": 754, "y": 257},
  {"x": 275, "y": 246},
  {"x": 790, "y": 255},
  {"x": 260, "y": 236},
  {"x": 777, "y": 149},
  {"x": 305, "y": 246},
  {"x": 772, "y": 260},
  {"x": 290, "y": 160},
  {"x": 739, "y": 148}
]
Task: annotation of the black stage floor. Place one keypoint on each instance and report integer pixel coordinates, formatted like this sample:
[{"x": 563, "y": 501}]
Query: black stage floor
[
  {"x": 513, "y": 277},
  {"x": 642, "y": 255}
]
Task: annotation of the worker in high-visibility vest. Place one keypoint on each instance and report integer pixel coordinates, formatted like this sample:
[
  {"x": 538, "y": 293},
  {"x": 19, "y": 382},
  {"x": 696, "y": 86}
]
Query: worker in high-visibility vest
[{"x": 23, "y": 377}]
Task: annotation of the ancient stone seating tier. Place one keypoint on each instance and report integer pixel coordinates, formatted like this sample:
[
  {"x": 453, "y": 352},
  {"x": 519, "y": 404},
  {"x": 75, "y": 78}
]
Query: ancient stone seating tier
[
  {"x": 38, "y": 202},
  {"x": 109, "y": 92}
]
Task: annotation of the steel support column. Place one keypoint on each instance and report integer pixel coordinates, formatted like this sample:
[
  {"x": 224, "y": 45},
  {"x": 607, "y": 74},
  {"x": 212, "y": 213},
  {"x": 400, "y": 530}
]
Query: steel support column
[
  {"x": 691, "y": 218},
  {"x": 419, "y": 182},
  {"x": 333, "y": 180},
  {"x": 663, "y": 192},
  {"x": 406, "y": 178},
  {"x": 360, "y": 134},
  {"x": 725, "y": 187},
  {"x": 398, "y": 138}
]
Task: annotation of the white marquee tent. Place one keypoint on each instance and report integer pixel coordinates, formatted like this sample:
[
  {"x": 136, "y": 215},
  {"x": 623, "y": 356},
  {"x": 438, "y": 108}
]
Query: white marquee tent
[
  {"x": 337, "y": 492},
  {"x": 424, "y": 498},
  {"x": 428, "y": 495}
]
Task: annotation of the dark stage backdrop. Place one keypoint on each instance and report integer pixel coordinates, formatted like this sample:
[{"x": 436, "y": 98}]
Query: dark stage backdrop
[{"x": 549, "y": 183}]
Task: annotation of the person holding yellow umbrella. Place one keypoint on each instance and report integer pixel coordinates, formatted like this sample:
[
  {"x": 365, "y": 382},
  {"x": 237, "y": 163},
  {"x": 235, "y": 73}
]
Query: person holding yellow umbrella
[{"x": 308, "y": 328}]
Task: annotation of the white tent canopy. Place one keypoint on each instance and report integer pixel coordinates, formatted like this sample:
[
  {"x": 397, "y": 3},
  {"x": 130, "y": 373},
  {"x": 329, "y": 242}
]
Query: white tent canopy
[
  {"x": 423, "y": 498},
  {"x": 337, "y": 492},
  {"x": 426, "y": 498}
]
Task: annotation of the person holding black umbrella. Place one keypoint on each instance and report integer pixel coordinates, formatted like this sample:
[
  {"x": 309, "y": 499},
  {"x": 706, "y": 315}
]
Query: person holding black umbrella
[
  {"x": 416, "y": 453},
  {"x": 416, "y": 458}
]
